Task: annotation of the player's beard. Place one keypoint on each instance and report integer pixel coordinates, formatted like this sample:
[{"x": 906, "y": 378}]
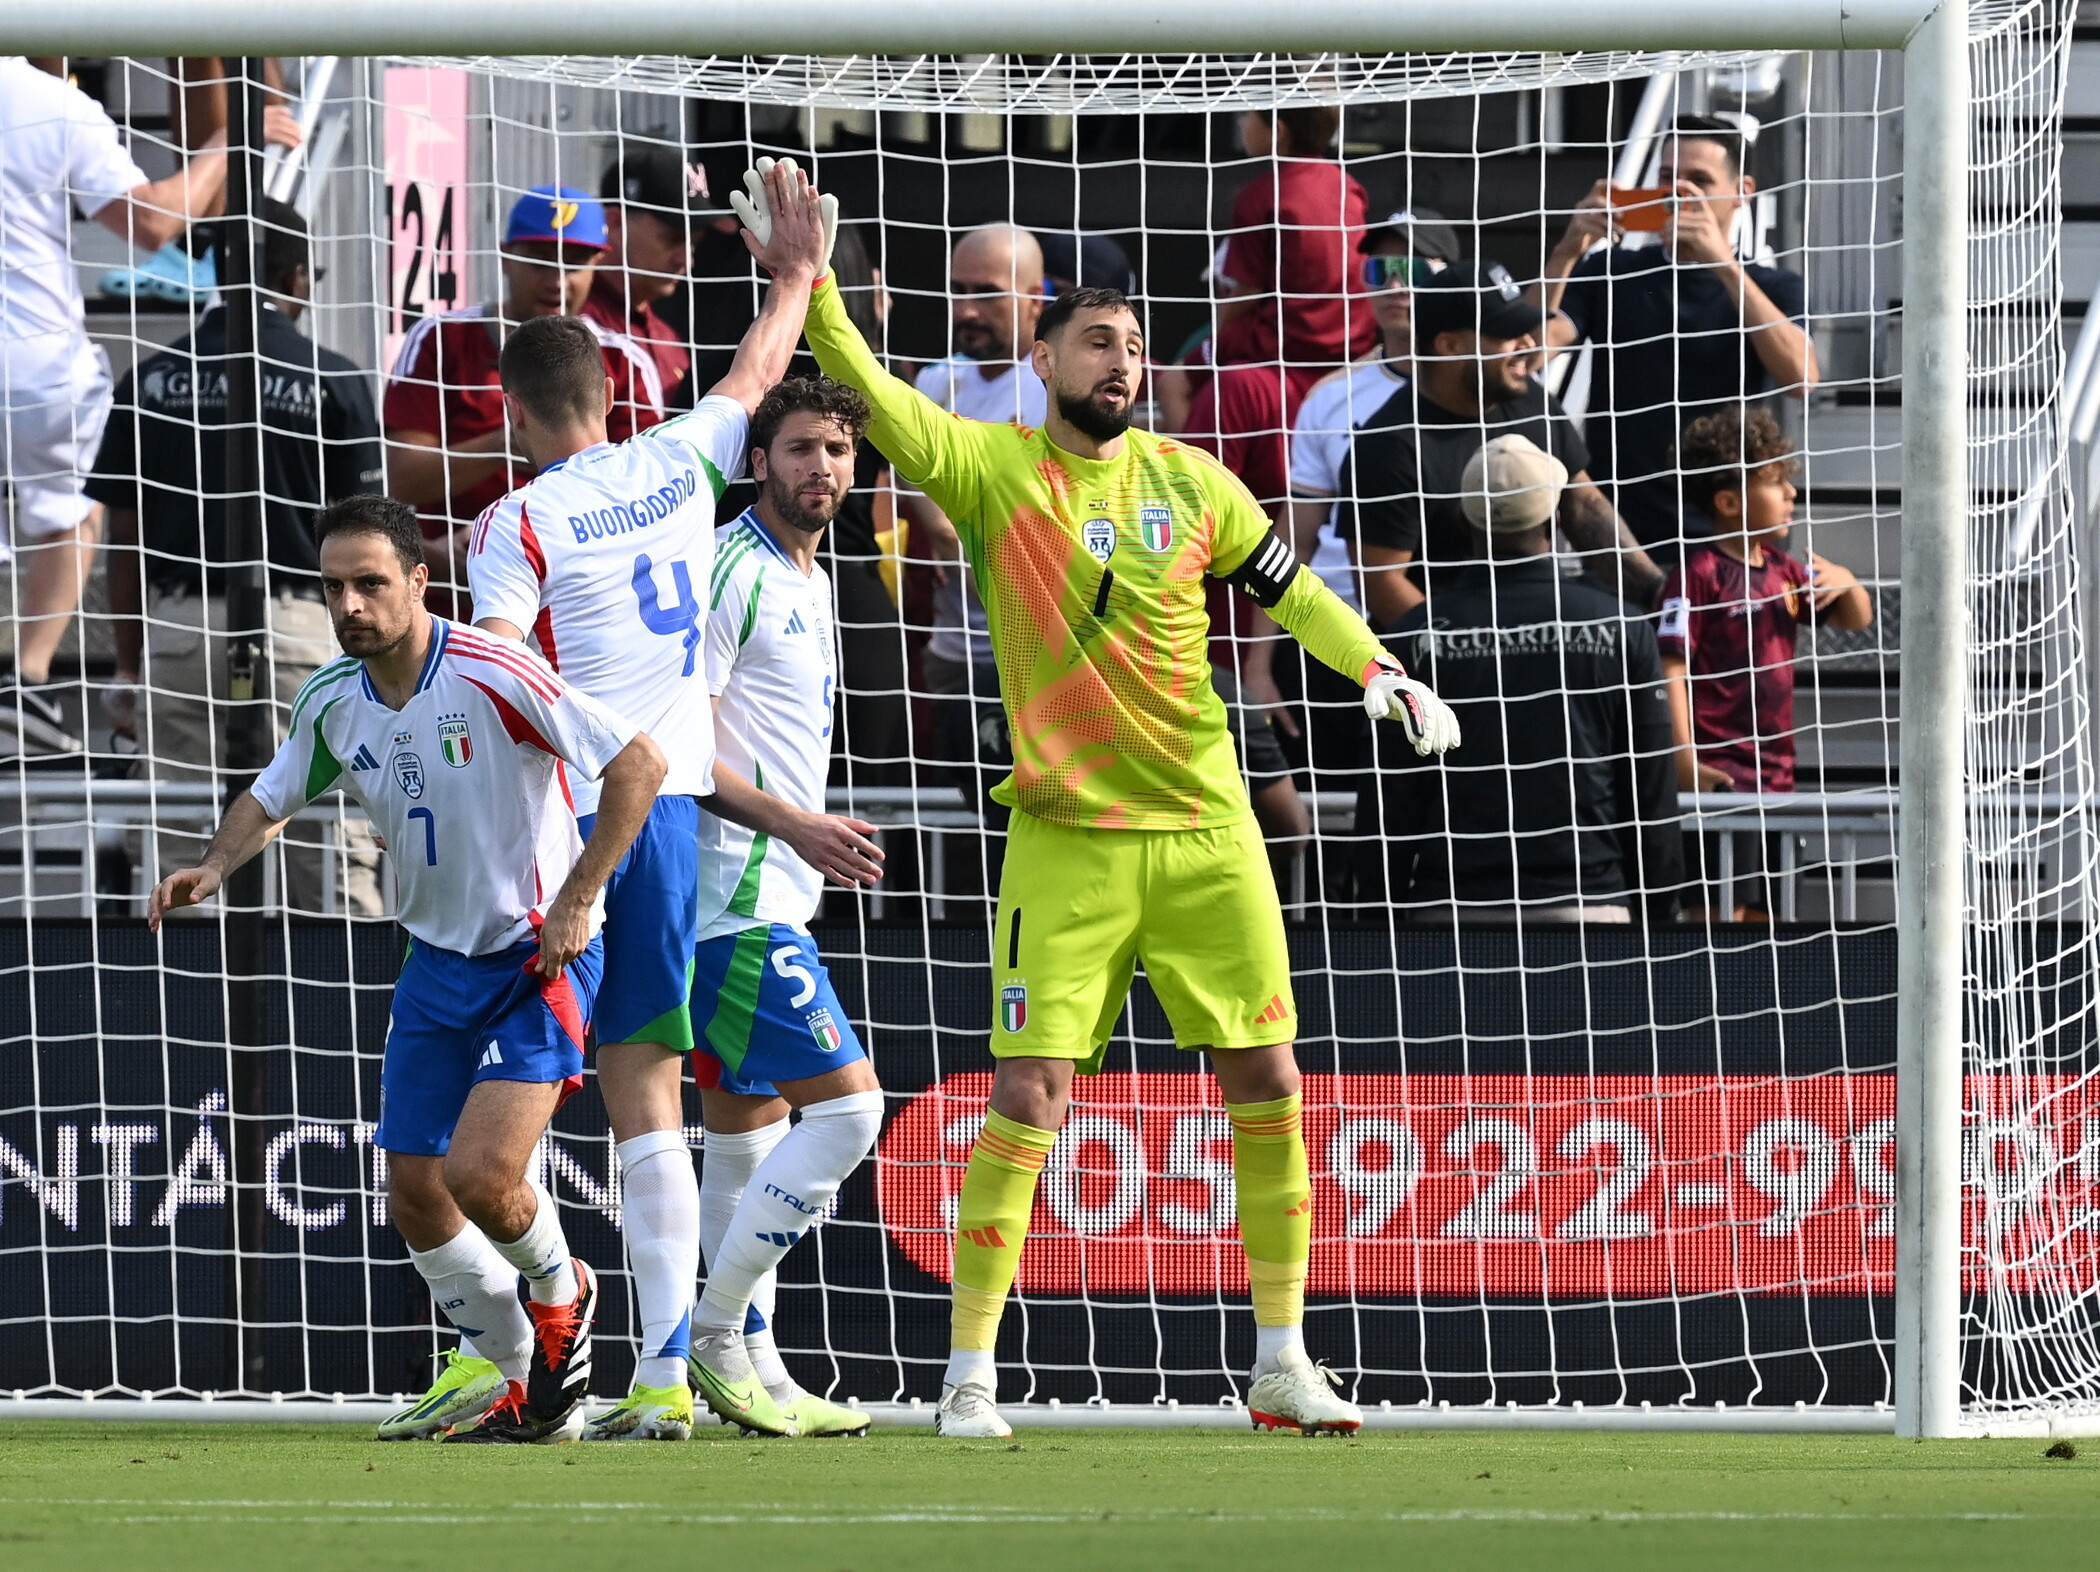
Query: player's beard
[
  {"x": 1093, "y": 418},
  {"x": 368, "y": 641},
  {"x": 789, "y": 508}
]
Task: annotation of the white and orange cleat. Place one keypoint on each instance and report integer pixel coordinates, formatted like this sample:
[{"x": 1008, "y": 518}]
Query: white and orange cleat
[{"x": 1300, "y": 1395}]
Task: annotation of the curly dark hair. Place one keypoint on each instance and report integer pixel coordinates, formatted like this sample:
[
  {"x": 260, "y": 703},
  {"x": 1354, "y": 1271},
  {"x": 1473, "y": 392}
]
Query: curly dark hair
[
  {"x": 811, "y": 395},
  {"x": 1718, "y": 452}
]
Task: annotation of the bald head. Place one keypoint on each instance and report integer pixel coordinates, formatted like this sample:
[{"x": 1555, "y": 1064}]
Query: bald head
[
  {"x": 996, "y": 280},
  {"x": 1001, "y": 252}
]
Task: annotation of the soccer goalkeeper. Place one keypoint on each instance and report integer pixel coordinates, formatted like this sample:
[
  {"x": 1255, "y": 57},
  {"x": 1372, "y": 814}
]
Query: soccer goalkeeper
[{"x": 1132, "y": 837}]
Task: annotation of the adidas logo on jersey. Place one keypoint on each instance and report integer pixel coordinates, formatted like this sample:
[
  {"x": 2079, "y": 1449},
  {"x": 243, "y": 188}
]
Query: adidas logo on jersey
[
  {"x": 796, "y": 624},
  {"x": 362, "y": 759},
  {"x": 491, "y": 1055}
]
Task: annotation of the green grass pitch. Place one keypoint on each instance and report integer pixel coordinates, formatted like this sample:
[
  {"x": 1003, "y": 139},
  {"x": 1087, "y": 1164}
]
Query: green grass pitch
[{"x": 170, "y": 1498}]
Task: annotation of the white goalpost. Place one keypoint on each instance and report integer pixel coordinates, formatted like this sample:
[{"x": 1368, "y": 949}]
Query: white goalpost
[{"x": 1840, "y": 1170}]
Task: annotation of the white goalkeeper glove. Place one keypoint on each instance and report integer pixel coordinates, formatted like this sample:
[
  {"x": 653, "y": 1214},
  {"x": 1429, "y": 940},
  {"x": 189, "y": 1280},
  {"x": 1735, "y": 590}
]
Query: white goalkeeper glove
[
  {"x": 756, "y": 210},
  {"x": 1430, "y": 723}
]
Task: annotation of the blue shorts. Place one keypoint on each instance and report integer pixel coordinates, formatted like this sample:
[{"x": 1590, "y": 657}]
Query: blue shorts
[
  {"x": 652, "y": 918},
  {"x": 766, "y": 1013},
  {"x": 459, "y": 1020}
]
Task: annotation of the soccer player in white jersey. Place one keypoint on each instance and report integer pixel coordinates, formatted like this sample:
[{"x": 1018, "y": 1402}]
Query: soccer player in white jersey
[
  {"x": 773, "y": 1035},
  {"x": 603, "y": 560},
  {"x": 455, "y": 743}
]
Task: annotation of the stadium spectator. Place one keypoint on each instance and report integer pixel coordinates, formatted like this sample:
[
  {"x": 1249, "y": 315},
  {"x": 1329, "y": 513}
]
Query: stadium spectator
[
  {"x": 1289, "y": 311},
  {"x": 1680, "y": 329},
  {"x": 650, "y": 194},
  {"x": 62, "y": 152},
  {"x": 447, "y": 450},
  {"x": 1732, "y": 612},
  {"x": 1475, "y": 355},
  {"x": 1562, "y": 804},
  {"x": 1338, "y": 404},
  {"x": 161, "y": 474},
  {"x": 995, "y": 287}
]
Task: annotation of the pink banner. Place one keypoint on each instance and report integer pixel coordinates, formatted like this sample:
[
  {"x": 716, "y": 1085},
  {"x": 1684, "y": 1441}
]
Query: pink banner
[{"x": 426, "y": 187}]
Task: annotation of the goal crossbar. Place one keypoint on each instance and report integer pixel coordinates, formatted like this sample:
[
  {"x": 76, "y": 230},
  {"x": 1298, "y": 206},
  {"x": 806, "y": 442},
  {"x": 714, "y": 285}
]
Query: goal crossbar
[{"x": 381, "y": 27}]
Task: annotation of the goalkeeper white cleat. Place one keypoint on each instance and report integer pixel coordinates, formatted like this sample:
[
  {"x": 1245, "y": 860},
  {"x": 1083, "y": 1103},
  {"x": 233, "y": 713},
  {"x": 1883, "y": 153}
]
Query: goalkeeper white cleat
[
  {"x": 464, "y": 1390},
  {"x": 1300, "y": 1395},
  {"x": 969, "y": 1413}
]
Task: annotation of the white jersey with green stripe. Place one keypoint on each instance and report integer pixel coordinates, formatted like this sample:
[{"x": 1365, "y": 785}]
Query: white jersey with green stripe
[
  {"x": 603, "y": 560},
  {"x": 464, "y": 780},
  {"x": 772, "y": 663}
]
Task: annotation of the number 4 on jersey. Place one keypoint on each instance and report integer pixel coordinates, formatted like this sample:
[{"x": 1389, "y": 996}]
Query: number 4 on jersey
[{"x": 684, "y": 617}]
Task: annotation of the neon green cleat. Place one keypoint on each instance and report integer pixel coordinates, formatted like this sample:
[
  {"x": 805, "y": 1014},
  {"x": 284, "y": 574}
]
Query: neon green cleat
[
  {"x": 463, "y": 1392},
  {"x": 721, "y": 1374},
  {"x": 814, "y": 1416},
  {"x": 648, "y": 1413}
]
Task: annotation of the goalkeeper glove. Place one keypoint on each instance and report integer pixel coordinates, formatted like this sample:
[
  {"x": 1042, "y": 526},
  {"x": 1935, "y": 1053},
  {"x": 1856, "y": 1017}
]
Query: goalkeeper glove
[
  {"x": 756, "y": 210},
  {"x": 1391, "y": 694}
]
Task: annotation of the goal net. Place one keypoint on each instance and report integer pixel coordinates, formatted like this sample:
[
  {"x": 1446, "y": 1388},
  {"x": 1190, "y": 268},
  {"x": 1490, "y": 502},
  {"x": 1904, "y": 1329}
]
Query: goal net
[{"x": 1641, "y": 1161}]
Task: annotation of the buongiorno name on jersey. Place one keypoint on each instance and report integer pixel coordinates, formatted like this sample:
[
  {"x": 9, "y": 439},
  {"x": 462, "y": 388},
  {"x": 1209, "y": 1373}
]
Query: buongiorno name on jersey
[{"x": 603, "y": 559}]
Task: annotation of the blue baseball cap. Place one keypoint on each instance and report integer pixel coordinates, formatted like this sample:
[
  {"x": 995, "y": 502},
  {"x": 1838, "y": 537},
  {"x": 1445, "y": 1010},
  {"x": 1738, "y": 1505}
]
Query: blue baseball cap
[{"x": 558, "y": 213}]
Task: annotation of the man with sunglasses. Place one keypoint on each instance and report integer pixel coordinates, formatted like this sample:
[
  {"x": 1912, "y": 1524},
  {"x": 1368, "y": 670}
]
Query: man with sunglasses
[{"x": 165, "y": 491}]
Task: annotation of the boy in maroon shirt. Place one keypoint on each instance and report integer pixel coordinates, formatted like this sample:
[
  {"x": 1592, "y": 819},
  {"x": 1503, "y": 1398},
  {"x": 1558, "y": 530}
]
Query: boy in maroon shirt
[{"x": 1731, "y": 612}]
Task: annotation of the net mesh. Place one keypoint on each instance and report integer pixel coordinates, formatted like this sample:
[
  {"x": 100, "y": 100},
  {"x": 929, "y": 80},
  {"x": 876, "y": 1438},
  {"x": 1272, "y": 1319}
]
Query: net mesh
[{"x": 1608, "y": 1162}]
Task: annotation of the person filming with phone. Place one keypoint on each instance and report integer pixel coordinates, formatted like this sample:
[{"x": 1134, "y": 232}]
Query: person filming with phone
[{"x": 1681, "y": 328}]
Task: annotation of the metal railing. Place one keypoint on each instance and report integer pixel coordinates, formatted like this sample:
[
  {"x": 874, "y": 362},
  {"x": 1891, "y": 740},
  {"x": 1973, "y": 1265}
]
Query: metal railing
[{"x": 60, "y": 828}]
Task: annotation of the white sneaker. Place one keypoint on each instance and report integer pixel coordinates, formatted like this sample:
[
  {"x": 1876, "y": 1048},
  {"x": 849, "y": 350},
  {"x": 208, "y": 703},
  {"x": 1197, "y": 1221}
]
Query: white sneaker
[
  {"x": 969, "y": 1413},
  {"x": 1300, "y": 1395}
]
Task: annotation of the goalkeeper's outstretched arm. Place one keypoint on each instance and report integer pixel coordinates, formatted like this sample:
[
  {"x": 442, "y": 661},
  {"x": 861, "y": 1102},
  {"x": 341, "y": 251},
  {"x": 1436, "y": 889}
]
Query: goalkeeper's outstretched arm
[
  {"x": 1336, "y": 636},
  {"x": 934, "y": 450}
]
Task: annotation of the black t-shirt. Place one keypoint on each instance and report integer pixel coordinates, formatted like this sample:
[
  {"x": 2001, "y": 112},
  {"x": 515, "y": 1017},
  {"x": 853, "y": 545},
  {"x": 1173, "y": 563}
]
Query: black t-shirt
[
  {"x": 320, "y": 444},
  {"x": 1565, "y": 788},
  {"x": 1403, "y": 483},
  {"x": 1670, "y": 348}
]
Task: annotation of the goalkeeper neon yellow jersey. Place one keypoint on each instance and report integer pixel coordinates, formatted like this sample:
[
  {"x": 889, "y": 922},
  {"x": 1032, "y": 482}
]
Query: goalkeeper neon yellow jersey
[{"x": 1092, "y": 572}]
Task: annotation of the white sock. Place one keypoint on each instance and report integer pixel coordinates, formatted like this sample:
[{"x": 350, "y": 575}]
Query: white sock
[
  {"x": 971, "y": 1364},
  {"x": 727, "y": 1163},
  {"x": 541, "y": 1254},
  {"x": 478, "y": 1292},
  {"x": 467, "y": 1350},
  {"x": 766, "y": 1364},
  {"x": 791, "y": 1190},
  {"x": 1273, "y": 1343},
  {"x": 660, "y": 1215}
]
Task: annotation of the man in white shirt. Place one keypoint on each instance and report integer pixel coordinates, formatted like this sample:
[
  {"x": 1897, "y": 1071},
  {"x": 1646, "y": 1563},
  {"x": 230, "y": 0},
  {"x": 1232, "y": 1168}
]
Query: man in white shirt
[
  {"x": 454, "y": 743},
  {"x": 60, "y": 150},
  {"x": 995, "y": 288},
  {"x": 772, "y": 1033},
  {"x": 605, "y": 559}
]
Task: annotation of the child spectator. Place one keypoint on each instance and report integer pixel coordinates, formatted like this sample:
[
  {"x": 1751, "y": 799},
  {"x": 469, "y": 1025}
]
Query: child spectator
[{"x": 1731, "y": 612}]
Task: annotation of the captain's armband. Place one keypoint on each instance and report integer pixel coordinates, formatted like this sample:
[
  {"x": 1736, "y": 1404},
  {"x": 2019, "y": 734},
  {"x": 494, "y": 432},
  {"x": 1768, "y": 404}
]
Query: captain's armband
[{"x": 1268, "y": 570}]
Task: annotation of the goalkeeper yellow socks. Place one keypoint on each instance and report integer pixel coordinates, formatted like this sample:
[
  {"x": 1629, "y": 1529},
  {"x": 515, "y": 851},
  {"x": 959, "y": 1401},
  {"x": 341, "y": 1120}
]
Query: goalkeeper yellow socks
[
  {"x": 1274, "y": 1186},
  {"x": 991, "y": 1225}
]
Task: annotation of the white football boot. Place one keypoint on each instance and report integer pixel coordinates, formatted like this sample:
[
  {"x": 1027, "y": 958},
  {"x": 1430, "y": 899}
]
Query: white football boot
[
  {"x": 1300, "y": 1395},
  {"x": 969, "y": 1412}
]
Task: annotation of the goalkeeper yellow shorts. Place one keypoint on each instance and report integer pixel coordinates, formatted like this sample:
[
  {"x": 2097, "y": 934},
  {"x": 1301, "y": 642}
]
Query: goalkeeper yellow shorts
[{"x": 1078, "y": 909}]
